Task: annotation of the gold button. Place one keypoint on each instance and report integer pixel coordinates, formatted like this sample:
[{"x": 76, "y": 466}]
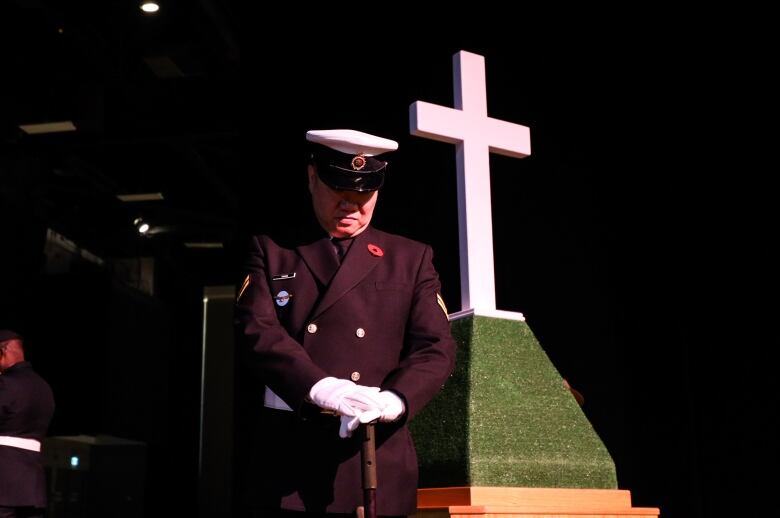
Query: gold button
[
  {"x": 312, "y": 328},
  {"x": 355, "y": 376},
  {"x": 360, "y": 332}
]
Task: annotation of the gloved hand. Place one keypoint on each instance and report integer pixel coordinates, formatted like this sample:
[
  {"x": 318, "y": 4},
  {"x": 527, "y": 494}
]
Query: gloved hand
[
  {"x": 393, "y": 406},
  {"x": 365, "y": 398},
  {"x": 350, "y": 423},
  {"x": 344, "y": 397},
  {"x": 390, "y": 408},
  {"x": 330, "y": 393}
]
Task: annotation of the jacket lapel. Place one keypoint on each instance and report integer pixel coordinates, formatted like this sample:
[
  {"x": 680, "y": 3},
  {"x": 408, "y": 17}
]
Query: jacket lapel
[
  {"x": 357, "y": 264},
  {"x": 321, "y": 259}
]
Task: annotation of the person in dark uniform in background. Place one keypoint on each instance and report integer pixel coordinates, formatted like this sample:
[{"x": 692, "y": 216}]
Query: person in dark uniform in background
[
  {"x": 339, "y": 328},
  {"x": 26, "y": 409}
]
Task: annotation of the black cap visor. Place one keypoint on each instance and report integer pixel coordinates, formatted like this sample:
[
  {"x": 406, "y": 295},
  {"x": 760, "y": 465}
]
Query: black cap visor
[{"x": 347, "y": 180}]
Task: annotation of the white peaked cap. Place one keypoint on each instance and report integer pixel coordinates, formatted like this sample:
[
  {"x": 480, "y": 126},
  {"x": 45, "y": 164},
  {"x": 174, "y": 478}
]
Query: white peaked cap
[{"x": 352, "y": 142}]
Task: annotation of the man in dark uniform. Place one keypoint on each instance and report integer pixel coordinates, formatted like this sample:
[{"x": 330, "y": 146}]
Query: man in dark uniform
[
  {"x": 26, "y": 408},
  {"x": 340, "y": 330}
]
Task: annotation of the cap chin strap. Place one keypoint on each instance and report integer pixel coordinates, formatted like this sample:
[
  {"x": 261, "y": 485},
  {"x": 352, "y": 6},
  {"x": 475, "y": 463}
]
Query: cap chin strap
[{"x": 339, "y": 179}]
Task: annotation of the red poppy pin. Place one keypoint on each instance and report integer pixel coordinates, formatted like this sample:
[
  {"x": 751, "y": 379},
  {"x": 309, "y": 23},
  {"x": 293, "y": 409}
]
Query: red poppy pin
[{"x": 375, "y": 250}]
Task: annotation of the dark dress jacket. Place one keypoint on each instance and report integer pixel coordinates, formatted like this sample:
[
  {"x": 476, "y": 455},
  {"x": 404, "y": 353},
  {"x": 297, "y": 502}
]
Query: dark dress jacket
[
  {"x": 377, "y": 320},
  {"x": 26, "y": 408}
]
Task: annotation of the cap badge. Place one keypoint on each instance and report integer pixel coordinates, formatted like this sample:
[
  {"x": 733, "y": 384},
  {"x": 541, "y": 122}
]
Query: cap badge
[
  {"x": 282, "y": 298},
  {"x": 358, "y": 163},
  {"x": 375, "y": 250}
]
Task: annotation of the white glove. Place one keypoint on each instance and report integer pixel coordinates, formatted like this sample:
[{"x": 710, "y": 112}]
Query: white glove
[
  {"x": 365, "y": 398},
  {"x": 330, "y": 393},
  {"x": 392, "y": 406},
  {"x": 344, "y": 397},
  {"x": 350, "y": 423}
]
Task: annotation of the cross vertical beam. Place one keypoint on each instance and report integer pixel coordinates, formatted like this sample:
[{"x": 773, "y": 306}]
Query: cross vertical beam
[{"x": 475, "y": 136}]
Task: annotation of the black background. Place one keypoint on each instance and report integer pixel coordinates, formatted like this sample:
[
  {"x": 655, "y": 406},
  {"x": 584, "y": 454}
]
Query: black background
[{"x": 633, "y": 238}]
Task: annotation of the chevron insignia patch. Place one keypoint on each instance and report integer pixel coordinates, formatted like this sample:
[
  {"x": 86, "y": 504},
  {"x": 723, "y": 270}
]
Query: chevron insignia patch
[
  {"x": 244, "y": 286},
  {"x": 441, "y": 304}
]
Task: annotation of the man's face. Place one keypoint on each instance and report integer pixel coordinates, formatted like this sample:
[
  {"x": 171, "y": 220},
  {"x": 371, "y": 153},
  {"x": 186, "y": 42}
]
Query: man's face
[{"x": 340, "y": 213}]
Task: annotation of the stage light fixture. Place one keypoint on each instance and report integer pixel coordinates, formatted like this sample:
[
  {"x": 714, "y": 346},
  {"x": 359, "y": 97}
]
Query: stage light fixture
[
  {"x": 141, "y": 226},
  {"x": 150, "y": 7}
]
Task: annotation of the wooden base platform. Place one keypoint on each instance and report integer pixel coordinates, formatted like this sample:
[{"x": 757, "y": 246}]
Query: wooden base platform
[{"x": 521, "y": 502}]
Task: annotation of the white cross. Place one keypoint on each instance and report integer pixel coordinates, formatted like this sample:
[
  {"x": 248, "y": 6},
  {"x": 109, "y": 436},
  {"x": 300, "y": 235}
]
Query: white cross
[{"x": 475, "y": 135}]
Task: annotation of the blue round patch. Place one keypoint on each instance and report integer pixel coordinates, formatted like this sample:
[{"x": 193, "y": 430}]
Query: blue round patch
[{"x": 282, "y": 298}]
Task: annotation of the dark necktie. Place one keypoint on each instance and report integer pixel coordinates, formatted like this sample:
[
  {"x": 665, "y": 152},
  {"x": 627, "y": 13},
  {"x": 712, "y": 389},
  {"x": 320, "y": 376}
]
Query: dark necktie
[{"x": 341, "y": 246}]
